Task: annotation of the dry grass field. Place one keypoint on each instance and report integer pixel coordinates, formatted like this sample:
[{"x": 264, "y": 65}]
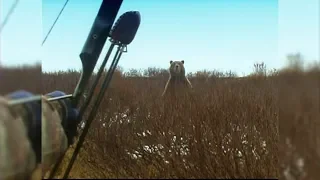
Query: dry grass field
[{"x": 253, "y": 127}]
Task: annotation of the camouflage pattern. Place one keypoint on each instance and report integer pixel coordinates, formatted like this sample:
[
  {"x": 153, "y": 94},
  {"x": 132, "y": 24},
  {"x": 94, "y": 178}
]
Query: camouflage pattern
[
  {"x": 17, "y": 158},
  {"x": 54, "y": 141}
]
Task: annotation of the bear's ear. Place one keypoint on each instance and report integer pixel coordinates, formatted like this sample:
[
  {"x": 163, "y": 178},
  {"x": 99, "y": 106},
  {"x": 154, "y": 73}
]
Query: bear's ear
[
  {"x": 182, "y": 61},
  {"x": 171, "y": 62}
]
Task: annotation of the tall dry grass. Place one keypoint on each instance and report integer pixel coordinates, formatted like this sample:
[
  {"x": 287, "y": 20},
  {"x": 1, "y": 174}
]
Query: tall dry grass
[
  {"x": 26, "y": 77},
  {"x": 254, "y": 127}
]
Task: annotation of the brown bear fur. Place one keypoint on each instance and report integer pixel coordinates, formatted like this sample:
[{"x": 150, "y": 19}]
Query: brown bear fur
[{"x": 177, "y": 82}]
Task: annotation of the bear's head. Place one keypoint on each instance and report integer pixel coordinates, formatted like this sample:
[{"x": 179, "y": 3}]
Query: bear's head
[{"x": 177, "y": 68}]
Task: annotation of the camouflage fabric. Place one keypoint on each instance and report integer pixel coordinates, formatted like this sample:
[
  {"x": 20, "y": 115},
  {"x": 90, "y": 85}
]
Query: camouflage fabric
[
  {"x": 17, "y": 158},
  {"x": 54, "y": 141}
]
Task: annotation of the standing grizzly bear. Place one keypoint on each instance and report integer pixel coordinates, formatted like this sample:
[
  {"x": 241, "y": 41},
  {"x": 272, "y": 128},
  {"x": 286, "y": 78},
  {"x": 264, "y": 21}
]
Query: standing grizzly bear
[{"x": 177, "y": 82}]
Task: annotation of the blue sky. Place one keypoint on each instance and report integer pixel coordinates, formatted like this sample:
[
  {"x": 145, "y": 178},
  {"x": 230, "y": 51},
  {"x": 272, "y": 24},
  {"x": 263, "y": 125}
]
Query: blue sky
[{"x": 207, "y": 34}]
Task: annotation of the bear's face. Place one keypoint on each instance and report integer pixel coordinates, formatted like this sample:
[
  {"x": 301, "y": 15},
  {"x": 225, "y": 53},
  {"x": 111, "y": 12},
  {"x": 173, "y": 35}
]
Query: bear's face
[{"x": 177, "y": 68}]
